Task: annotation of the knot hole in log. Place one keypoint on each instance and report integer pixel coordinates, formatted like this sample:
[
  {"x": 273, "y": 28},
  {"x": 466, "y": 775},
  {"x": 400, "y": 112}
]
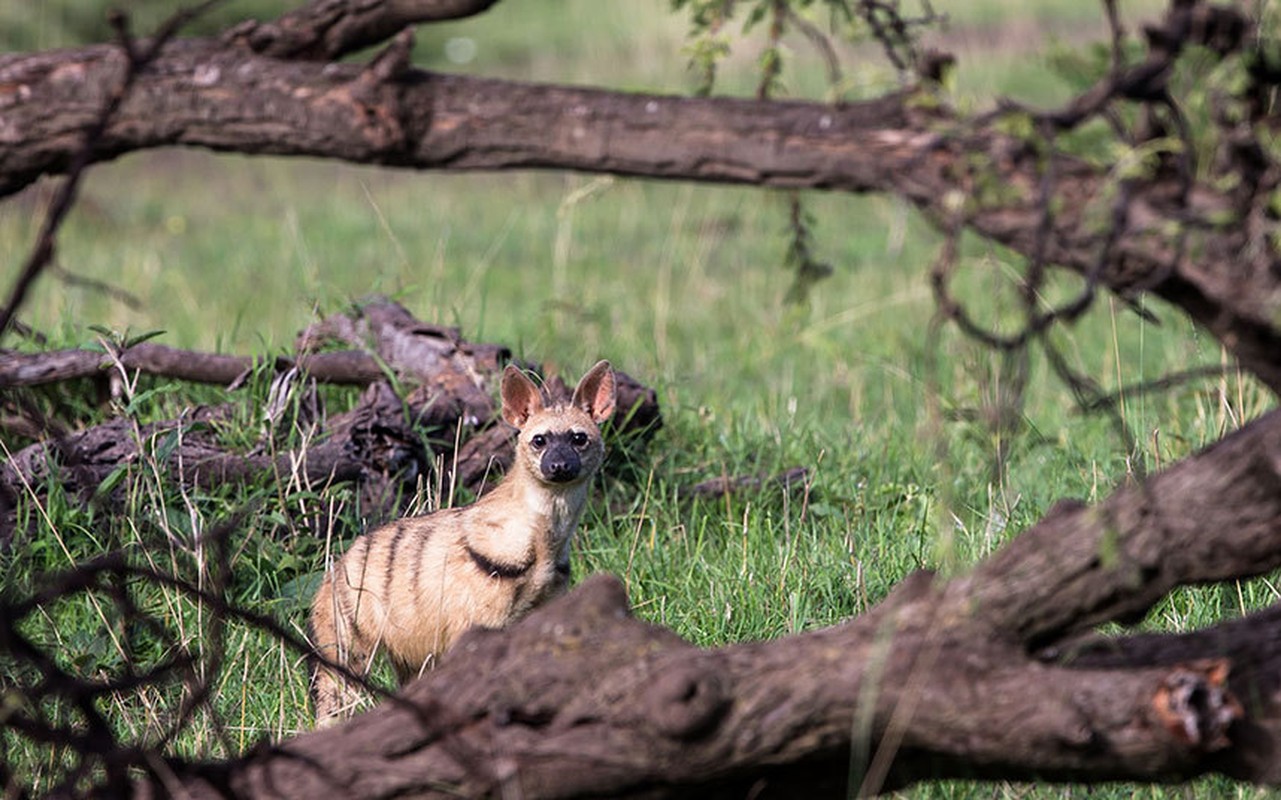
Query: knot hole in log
[{"x": 686, "y": 702}]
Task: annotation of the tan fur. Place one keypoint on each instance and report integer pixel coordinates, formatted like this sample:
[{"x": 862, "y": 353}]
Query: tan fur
[{"x": 410, "y": 588}]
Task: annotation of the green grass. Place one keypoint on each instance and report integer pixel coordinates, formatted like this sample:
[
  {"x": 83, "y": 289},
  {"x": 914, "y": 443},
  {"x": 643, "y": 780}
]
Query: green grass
[{"x": 681, "y": 286}]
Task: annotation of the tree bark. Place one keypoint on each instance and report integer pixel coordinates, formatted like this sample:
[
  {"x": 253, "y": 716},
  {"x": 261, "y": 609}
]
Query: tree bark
[
  {"x": 330, "y": 29},
  {"x": 221, "y": 96}
]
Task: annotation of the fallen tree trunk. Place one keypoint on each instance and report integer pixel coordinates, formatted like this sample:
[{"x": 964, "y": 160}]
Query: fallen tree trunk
[{"x": 978, "y": 676}]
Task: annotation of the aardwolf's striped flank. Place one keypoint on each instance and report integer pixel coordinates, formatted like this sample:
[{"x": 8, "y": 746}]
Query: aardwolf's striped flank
[{"x": 410, "y": 588}]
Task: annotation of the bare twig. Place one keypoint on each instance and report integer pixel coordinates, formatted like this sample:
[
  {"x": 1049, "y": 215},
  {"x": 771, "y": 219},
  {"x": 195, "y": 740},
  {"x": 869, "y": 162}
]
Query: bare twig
[
  {"x": 821, "y": 43},
  {"x": 42, "y": 253}
]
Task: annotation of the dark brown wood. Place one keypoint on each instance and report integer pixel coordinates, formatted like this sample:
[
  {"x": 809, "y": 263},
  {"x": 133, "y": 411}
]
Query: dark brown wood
[
  {"x": 371, "y": 444},
  {"x": 434, "y": 356},
  {"x": 582, "y": 700}
]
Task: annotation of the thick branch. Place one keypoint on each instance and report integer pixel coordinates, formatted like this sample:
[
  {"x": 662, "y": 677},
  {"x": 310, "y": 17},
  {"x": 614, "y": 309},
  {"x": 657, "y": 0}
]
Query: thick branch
[
  {"x": 206, "y": 94},
  {"x": 324, "y": 30},
  {"x": 35, "y": 369},
  {"x": 213, "y": 95},
  {"x": 582, "y": 700},
  {"x": 1251, "y": 641}
]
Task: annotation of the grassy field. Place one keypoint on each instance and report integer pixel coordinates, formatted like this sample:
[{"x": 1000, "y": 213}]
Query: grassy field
[{"x": 681, "y": 286}]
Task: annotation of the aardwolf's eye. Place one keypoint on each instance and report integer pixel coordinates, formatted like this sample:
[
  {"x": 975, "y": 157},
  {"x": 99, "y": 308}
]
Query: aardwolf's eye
[
  {"x": 538, "y": 441},
  {"x": 579, "y": 439}
]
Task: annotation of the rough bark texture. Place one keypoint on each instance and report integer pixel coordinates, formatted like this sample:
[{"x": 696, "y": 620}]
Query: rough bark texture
[{"x": 329, "y": 29}]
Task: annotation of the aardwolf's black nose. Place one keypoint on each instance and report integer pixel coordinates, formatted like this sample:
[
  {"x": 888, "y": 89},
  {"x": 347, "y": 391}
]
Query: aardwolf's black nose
[{"x": 561, "y": 464}]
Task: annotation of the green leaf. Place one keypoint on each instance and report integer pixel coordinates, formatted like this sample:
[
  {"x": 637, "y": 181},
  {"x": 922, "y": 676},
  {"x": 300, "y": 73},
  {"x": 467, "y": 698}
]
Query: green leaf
[
  {"x": 137, "y": 401},
  {"x": 130, "y": 341},
  {"x": 112, "y": 480}
]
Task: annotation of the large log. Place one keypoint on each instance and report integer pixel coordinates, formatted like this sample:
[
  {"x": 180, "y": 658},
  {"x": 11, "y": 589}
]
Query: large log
[
  {"x": 36, "y": 369},
  {"x": 979, "y": 676}
]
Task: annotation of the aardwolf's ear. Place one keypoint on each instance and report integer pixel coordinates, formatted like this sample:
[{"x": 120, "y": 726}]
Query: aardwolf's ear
[
  {"x": 521, "y": 398},
  {"x": 595, "y": 392}
]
